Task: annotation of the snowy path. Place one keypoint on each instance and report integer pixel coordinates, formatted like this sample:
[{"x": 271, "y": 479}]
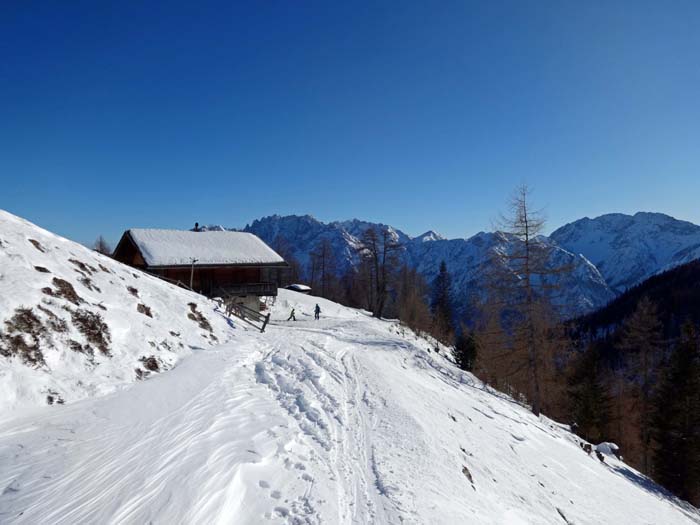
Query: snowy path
[{"x": 341, "y": 421}]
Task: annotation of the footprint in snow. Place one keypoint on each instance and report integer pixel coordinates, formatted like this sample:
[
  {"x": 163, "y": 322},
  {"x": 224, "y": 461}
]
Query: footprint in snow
[{"x": 12, "y": 487}]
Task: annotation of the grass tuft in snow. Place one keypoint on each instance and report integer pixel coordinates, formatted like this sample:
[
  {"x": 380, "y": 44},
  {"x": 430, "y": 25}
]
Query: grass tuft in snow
[
  {"x": 150, "y": 363},
  {"x": 145, "y": 310},
  {"x": 198, "y": 317},
  {"x": 54, "y": 397},
  {"x": 54, "y": 322},
  {"x": 83, "y": 267},
  {"x": 93, "y": 327},
  {"x": 64, "y": 290},
  {"x": 87, "y": 283},
  {"x": 24, "y": 324},
  {"x": 82, "y": 349},
  {"x": 37, "y": 245}
]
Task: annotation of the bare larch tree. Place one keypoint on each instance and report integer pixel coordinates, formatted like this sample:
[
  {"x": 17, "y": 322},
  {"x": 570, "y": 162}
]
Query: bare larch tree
[
  {"x": 521, "y": 285},
  {"x": 102, "y": 246},
  {"x": 378, "y": 252}
]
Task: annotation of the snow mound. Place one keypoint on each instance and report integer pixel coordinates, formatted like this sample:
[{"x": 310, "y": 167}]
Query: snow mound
[
  {"x": 74, "y": 323},
  {"x": 608, "y": 449}
]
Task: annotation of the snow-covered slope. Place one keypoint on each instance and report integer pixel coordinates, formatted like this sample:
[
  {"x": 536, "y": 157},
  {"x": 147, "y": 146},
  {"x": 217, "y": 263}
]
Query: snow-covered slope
[
  {"x": 347, "y": 420},
  {"x": 628, "y": 249},
  {"x": 583, "y": 290},
  {"x": 74, "y": 323}
]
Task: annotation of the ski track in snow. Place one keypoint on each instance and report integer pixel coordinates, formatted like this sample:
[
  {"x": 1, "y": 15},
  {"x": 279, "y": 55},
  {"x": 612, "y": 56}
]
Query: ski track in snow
[{"x": 341, "y": 421}]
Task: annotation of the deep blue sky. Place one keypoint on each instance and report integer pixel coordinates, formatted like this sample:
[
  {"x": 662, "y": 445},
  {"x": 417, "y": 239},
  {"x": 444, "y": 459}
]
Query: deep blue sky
[{"x": 423, "y": 115}]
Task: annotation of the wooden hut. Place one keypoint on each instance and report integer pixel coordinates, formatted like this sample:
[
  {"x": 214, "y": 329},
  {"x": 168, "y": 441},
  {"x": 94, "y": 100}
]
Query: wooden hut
[{"x": 214, "y": 263}]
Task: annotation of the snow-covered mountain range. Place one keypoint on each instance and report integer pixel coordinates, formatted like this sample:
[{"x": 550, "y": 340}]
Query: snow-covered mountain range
[
  {"x": 628, "y": 249},
  {"x": 467, "y": 259},
  {"x": 607, "y": 254}
]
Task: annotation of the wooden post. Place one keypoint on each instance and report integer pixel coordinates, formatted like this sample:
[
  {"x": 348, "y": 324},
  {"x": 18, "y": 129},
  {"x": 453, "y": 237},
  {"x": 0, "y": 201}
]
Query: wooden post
[
  {"x": 267, "y": 320},
  {"x": 192, "y": 273}
]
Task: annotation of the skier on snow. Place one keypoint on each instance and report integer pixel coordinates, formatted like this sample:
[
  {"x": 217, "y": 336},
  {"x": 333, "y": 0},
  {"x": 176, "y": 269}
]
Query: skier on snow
[
  {"x": 317, "y": 312},
  {"x": 292, "y": 317}
]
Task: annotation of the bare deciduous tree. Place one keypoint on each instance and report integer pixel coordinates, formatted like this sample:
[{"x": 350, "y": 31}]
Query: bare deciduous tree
[
  {"x": 379, "y": 259},
  {"x": 292, "y": 273},
  {"x": 102, "y": 246},
  {"x": 411, "y": 306},
  {"x": 520, "y": 296},
  {"x": 322, "y": 270}
]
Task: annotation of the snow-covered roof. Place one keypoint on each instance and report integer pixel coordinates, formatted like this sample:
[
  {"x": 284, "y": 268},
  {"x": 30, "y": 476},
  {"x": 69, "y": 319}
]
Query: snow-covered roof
[{"x": 178, "y": 248}]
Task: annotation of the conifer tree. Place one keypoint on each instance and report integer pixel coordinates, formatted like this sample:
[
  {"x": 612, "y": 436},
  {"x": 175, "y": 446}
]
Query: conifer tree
[
  {"x": 641, "y": 335},
  {"x": 676, "y": 420},
  {"x": 589, "y": 399},
  {"x": 465, "y": 350},
  {"x": 441, "y": 305}
]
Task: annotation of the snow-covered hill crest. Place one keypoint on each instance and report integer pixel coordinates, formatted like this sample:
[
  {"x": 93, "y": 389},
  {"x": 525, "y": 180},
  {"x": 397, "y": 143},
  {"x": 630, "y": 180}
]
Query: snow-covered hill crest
[
  {"x": 628, "y": 249},
  {"x": 75, "y": 324}
]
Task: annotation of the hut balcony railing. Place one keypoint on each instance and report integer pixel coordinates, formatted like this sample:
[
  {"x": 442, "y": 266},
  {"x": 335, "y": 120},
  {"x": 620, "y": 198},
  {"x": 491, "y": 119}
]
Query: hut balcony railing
[{"x": 240, "y": 290}]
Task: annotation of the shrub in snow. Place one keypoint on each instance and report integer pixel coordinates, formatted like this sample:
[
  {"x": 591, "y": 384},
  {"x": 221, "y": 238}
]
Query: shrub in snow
[
  {"x": 22, "y": 338},
  {"x": 198, "y": 318}
]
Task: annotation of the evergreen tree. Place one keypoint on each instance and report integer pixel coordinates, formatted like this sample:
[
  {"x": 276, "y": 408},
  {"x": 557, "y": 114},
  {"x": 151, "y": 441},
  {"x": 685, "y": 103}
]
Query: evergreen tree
[
  {"x": 465, "y": 350},
  {"x": 441, "y": 305},
  {"x": 589, "y": 400},
  {"x": 676, "y": 421},
  {"x": 641, "y": 335}
]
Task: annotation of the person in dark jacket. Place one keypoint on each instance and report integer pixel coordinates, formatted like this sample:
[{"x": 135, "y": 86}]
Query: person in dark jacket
[
  {"x": 317, "y": 312},
  {"x": 292, "y": 317}
]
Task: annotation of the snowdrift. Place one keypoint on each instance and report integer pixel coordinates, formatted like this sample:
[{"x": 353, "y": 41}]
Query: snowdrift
[{"x": 75, "y": 324}]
